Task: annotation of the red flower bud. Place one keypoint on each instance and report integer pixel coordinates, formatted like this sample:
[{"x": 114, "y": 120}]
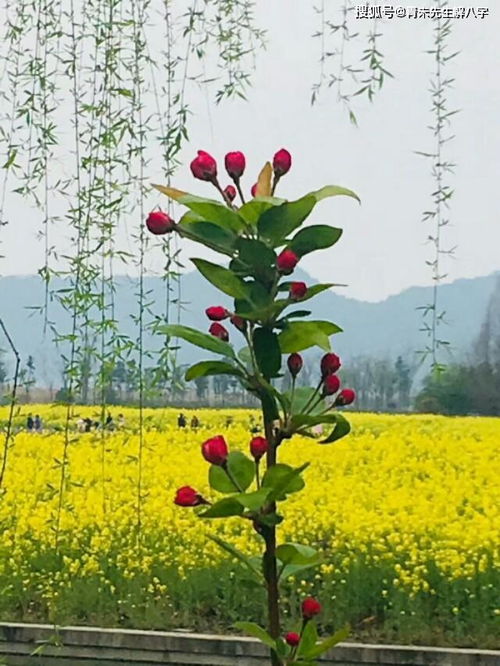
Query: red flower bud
[
  {"x": 258, "y": 447},
  {"x": 159, "y": 223},
  {"x": 204, "y": 167},
  {"x": 239, "y": 322},
  {"x": 215, "y": 450},
  {"x": 282, "y": 162},
  {"x": 218, "y": 331},
  {"x": 253, "y": 191},
  {"x": 345, "y": 397},
  {"x": 230, "y": 192},
  {"x": 187, "y": 496},
  {"x": 292, "y": 639},
  {"x": 286, "y": 261},
  {"x": 310, "y": 608},
  {"x": 330, "y": 363},
  {"x": 331, "y": 384},
  {"x": 295, "y": 364},
  {"x": 298, "y": 290},
  {"x": 235, "y": 164},
  {"x": 216, "y": 313}
]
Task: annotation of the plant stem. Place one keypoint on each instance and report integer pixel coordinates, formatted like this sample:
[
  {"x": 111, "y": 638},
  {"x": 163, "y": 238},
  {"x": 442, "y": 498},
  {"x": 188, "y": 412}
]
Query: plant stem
[
  {"x": 308, "y": 406},
  {"x": 232, "y": 479},
  {"x": 269, "y": 534},
  {"x": 238, "y": 187},
  {"x": 257, "y": 474},
  {"x": 275, "y": 182}
]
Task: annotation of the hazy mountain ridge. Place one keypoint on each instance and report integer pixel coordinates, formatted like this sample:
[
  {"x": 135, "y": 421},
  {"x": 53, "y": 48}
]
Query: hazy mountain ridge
[{"x": 385, "y": 329}]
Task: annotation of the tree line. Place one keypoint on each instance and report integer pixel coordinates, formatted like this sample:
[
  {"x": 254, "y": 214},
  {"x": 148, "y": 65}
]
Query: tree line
[{"x": 470, "y": 385}]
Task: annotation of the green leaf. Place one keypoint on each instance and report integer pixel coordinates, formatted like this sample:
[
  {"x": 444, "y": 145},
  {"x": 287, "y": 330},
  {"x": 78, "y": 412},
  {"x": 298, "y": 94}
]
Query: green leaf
[
  {"x": 298, "y": 313},
  {"x": 206, "y": 368},
  {"x": 208, "y": 234},
  {"x": 222, "y": 278},
  {"x": 171, "y": 192},
  {"x": 255, "y": 253},
  {"x": 229, "y": 548},
  {"x": 295, "y": 569},
  {"x": 299, "y": 335},
  {"x": 296, "y": 553},
  {"x": 334, "y": 191},
  {"x": 267, "y": 351},
  {"x": 10, "y": 159},
  {"x": 312, "y": 291},
  {"x": 252, "y": 210},
  {"x": 282, "y": 648},
  {"x": 283, "y": 479},
  {"x": 341, "y": 429},
  {"x": 223, "y": 508},
  {"x": 328, "y": 643},
  {"x": 213, "y": 211},
  {"x": 316, "y": 237},
  {"x": 309, "y": 420},
  {"x": 258, "y": 294},
  {"x": 276, "y": 223},
  {"x": 253, "y": 501},
  {"x": 245, "y": 356},
  {"x": 301, "y": 397},
  {"x": 308, "y": 640},
  {"x": 195, "y": 337},
  {"x": 256, "y": 631},
  {"x": 240, "y": 467}
]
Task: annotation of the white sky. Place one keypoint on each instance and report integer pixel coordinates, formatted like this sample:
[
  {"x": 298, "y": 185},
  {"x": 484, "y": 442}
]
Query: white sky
[{"x": 383, "y": 249}]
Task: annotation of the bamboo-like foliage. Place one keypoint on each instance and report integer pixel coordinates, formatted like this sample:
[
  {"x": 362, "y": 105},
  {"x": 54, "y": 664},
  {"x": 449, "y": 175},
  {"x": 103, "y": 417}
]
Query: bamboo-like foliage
[
  {"x": 84, "y": 83},
  {"x": 351, "y": 62},
  {"x": 437, "y": 215}
]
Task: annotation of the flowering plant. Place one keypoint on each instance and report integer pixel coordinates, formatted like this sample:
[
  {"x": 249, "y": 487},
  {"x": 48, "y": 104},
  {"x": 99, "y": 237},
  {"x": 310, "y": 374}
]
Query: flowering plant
[{"x": 263, "y": 239}]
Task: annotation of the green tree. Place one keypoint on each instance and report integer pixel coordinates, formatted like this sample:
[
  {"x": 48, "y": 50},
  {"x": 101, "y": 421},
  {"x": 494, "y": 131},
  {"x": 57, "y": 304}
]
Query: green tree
[{"x": 446, "y": 392}]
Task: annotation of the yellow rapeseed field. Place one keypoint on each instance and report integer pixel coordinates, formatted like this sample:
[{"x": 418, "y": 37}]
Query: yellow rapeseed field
[{"x": 405, "y": 511}]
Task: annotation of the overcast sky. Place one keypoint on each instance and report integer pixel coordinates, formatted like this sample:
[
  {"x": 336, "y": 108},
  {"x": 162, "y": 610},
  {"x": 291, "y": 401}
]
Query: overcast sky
[{"x": 383, "y": 249}]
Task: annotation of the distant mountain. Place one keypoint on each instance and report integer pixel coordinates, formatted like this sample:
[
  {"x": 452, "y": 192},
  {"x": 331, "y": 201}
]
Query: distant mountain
[{"x": 383, "y": 329}]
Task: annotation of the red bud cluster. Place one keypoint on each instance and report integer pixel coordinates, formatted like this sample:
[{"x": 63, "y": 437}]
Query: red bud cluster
[
  {"x": 331, "y": 384},
  {"x": 330, "y": 363},
  {"x": 159, "y": 223},
  {"x": 235, "y": 164},
  {"x": 215, "y": 450},
  {"x": 345, "y": 397},
  {"x": 295, "y": 364},
  {"x": 187, "y": 496},
  {"x": 219, "y": 331},
  {"x": 239, "y": 323},
  {"x": 297, "y": 291},
  {"x": 216, "y": 313},
  {"x": 282, "y": 161},
  {"x": 230, "y": 193},
  {"x": 258, "y": 447},
  {"x": 292, "y": 639},
  {"x": 204, "y": 167},
  {"x": 286, "y": 262},
  {"x": 310, "y": 608}
]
